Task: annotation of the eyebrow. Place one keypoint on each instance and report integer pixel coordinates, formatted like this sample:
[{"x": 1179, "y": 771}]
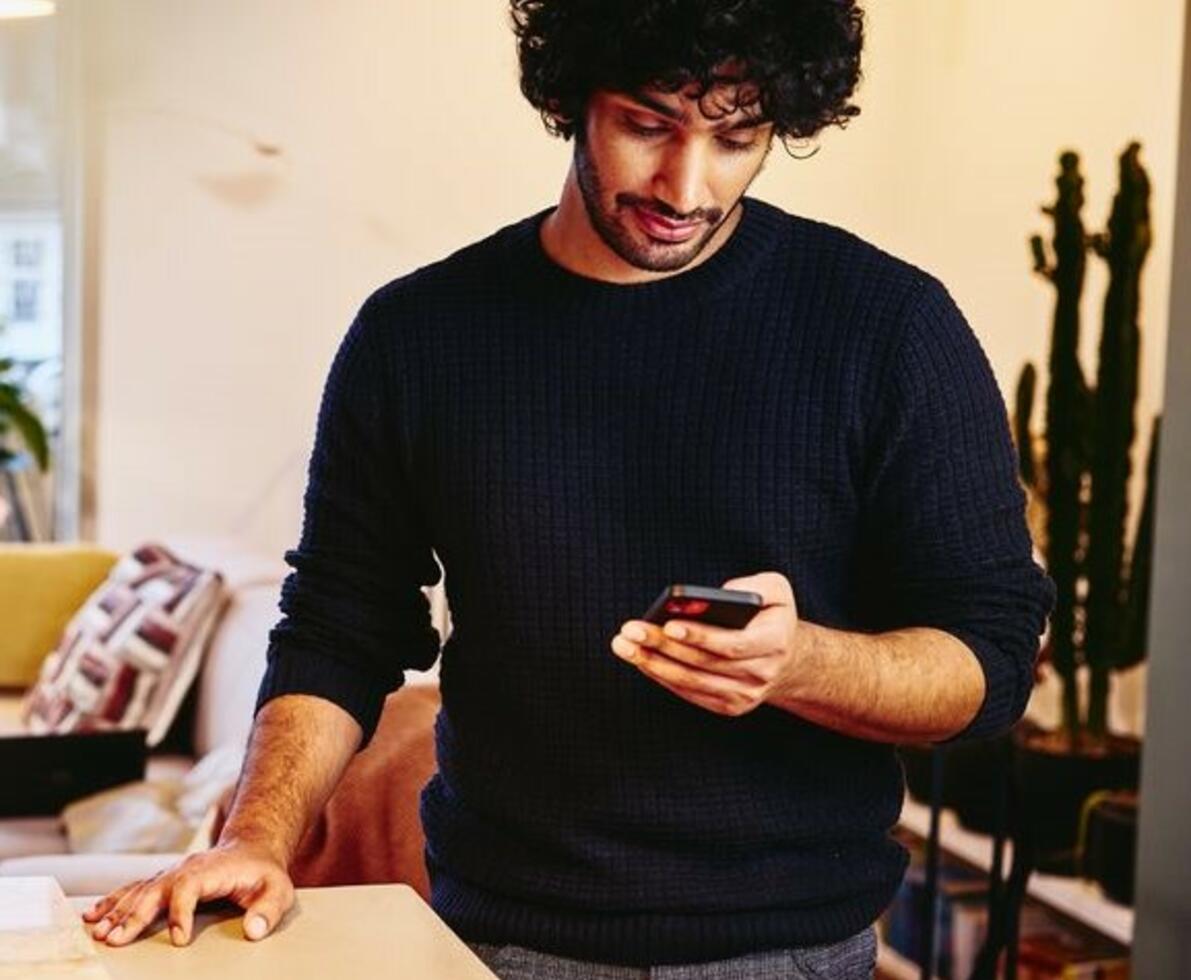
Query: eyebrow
[{"x": 748, "y": 122}]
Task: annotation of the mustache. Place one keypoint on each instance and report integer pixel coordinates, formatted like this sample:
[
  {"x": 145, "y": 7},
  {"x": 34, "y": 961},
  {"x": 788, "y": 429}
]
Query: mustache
[{"x": 710, "y": 215}]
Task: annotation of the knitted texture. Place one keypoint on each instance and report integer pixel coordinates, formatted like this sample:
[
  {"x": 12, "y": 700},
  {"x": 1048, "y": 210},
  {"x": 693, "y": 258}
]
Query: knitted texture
[{"x": 801, "y": 402}]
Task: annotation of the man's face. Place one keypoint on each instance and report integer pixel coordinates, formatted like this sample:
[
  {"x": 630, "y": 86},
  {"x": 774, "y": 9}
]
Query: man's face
[{"x": 658, "y": 176}]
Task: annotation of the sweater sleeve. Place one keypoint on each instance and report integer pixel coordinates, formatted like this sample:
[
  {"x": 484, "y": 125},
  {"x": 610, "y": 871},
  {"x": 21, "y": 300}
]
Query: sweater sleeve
[
  {"x": 945, "y": 511},
  {"x": 354, "y": 614}
]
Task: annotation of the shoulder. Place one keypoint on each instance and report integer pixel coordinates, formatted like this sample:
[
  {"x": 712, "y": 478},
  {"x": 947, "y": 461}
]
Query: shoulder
[
  {"x": 841, "y": 259},
  {"x": 864, "y": 288},
  {"x": 919, "y": 304},
  {"x": 475, "y": 266},
  {"x": 460, "y": 281},
  {"x": 874, "y": 302},
  {"x": 903, "y": 331}
]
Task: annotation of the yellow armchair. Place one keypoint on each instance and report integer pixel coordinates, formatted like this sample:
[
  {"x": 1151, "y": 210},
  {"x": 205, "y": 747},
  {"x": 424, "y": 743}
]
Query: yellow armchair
[{"x": 41, "y": 587}]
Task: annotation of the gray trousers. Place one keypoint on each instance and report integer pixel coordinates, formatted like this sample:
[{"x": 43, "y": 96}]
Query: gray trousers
[{"x": 854, "y": 958}]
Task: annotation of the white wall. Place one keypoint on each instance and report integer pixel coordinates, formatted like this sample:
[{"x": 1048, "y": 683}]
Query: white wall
[{"x": 227, "y": 277}]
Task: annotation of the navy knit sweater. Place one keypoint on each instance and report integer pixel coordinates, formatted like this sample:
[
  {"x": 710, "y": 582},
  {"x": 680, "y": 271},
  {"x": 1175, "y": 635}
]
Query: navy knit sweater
[{"x": 801, "y": 402}]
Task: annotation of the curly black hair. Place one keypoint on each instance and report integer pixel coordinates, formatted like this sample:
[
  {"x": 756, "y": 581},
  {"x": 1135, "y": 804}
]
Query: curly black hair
[{"x": 798, "y": 60}]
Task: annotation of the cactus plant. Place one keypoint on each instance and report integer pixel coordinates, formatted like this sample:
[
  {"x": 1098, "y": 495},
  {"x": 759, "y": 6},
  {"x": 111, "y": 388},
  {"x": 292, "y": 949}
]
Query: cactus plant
[
  {"x": 1024, "y": 403},
  {"x": 1066, "y": 410},
  {"x": 1124, "y": 247},
  {"x": 1100, "y": 606}
]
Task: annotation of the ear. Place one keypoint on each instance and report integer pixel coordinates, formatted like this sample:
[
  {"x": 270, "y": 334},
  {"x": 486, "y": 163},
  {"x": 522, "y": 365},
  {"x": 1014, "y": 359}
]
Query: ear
[{"x": 557, "y": 122}]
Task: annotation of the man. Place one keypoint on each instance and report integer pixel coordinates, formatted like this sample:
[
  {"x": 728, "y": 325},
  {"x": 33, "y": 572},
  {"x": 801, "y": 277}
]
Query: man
[{"x": 659, "y": 380}]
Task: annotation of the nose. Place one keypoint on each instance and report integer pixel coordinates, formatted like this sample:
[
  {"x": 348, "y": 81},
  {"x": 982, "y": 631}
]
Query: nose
[{"x": 681, "y": 179}]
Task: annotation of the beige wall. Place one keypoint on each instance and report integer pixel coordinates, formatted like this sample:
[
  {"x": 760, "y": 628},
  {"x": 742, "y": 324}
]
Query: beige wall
[
  {"x": 227, "y": 276},
  {"x": 966, "y": 106}
]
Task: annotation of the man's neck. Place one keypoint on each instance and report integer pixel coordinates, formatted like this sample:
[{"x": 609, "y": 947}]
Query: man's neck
[{"x": 570, "y": 240}]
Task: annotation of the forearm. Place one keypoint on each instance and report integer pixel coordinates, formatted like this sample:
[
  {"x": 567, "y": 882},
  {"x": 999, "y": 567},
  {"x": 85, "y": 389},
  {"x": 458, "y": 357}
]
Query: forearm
[
  {"x": 916, "y": 684},
  {"x": 298, "y": 750}
]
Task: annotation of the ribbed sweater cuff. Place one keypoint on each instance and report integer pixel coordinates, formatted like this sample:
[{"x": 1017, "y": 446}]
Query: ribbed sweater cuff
[
  {"x": 1002, "y": 703},
  {"x": 303, "y": 671}
]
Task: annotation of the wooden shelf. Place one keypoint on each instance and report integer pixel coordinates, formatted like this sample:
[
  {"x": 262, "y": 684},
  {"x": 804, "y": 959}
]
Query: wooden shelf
[{"x": 1076, "y": 897}]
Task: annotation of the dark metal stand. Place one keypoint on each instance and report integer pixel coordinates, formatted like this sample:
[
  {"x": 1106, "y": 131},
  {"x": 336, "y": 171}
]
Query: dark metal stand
[
  {"x": 998, "y": 889},
  {"x": 930, "y": 888},
  {"x": 1005, "y": 895}
]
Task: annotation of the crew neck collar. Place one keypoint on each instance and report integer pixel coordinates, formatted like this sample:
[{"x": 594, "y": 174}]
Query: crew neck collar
[{"x": 754, "y": 236}]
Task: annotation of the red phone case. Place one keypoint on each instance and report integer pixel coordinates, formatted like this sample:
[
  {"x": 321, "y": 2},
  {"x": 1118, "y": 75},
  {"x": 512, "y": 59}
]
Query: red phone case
[{"x": 727, "y": 608}]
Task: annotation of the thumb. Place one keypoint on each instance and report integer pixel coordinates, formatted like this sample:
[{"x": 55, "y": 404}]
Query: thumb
[
  {"x": 256, "y": 924},
  {"x": 266, "y": 911},
  {"x": 773, "y": 587}
]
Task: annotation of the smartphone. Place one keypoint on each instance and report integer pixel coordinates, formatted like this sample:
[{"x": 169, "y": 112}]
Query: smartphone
[{"x": 728, "y": 608}]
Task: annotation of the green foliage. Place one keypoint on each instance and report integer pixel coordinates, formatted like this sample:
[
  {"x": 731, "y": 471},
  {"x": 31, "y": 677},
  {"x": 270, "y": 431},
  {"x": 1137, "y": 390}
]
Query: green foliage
[{"x": 16, "y": 416}]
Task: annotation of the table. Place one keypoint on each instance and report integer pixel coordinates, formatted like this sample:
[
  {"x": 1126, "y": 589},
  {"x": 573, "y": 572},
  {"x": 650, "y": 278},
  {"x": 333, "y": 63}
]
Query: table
[{"x": 357, "y": 931}]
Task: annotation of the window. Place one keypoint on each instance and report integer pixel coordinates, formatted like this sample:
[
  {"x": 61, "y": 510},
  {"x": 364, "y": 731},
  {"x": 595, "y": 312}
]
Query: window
[
  {"x": 26, "y": 253},
  {"x": 31, "y": 267},
  {"x": 24, "y": 301}
]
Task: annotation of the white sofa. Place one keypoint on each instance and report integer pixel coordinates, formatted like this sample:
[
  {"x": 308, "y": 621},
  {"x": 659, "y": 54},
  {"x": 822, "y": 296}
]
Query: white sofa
[{"x": 227, "y": 688}]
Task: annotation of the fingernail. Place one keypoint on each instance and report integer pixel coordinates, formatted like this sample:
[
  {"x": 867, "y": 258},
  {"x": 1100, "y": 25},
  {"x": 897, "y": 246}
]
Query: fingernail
[
  {"x": 675, "y": 630},
  {"x": 177, "y": 935},
  {"x": 101, "y": 927},
  {"x": 256, "y": 927},
  {"x": 116, "y": 933},
  {"x": 634, "y": 632}
]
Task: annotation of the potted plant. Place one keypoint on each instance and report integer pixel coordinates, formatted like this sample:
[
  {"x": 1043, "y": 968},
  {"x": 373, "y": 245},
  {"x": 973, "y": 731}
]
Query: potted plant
[
  {"x": 1077, "y": 475},
  {"x": 19, "y": 419}
]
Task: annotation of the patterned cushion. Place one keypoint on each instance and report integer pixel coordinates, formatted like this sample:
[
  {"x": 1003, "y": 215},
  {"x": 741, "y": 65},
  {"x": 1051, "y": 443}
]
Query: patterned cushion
[{"x": 129, "y": 655}]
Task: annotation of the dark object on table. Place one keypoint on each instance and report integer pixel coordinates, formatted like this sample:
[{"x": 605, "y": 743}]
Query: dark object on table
[{"x": 45, "y": 772}]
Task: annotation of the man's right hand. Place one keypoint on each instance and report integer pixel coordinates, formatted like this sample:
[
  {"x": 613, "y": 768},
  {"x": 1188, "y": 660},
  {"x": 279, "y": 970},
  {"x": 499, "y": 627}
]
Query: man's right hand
[
  {"x": 299, "y": 747},
  {"x": 251, "y": 875}
]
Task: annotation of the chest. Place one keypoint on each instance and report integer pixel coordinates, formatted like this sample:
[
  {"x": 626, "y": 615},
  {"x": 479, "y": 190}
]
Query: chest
[{"x": 736, "y": 437}]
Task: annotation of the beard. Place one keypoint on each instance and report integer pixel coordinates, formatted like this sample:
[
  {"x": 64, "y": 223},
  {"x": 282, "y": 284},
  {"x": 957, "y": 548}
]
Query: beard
[{"x": 617, "y": 229}]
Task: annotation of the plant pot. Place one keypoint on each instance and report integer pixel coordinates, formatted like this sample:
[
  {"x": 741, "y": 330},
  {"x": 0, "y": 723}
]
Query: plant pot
[
  {"x": 1054, "y": 778},
  {"x": 1110, "y": 844}
]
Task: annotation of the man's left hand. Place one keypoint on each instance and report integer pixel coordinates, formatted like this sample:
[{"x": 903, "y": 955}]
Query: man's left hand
[{"x": 728, "y": 671}]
